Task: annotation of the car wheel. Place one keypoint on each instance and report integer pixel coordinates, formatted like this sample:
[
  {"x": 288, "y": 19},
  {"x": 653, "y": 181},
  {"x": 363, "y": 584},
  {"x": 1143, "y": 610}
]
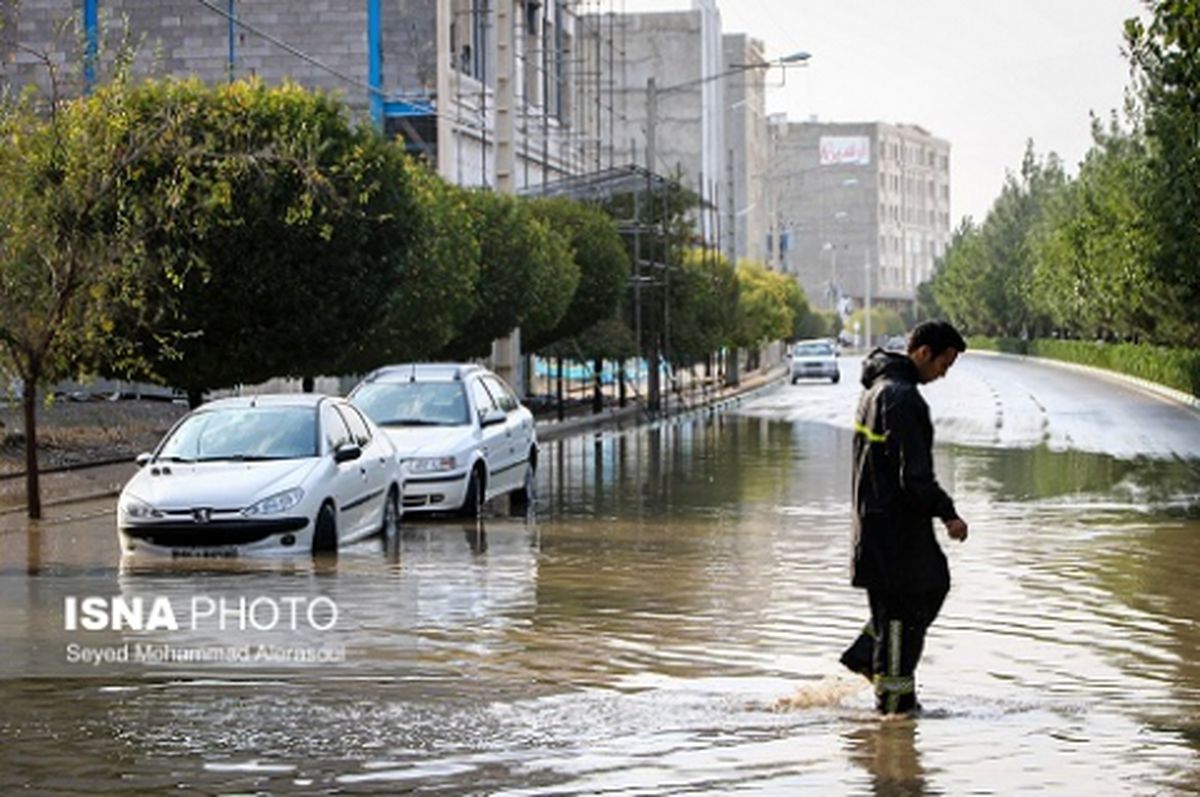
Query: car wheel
[
  {"x": 835, "y": 378},
  {"x": 472, "y": 505},
  {"x": 325, "y": 530},
  {"x": 795, "y": 380},
  {"x": 391, "y": 515},
  {"x": 524, "y": 495}
]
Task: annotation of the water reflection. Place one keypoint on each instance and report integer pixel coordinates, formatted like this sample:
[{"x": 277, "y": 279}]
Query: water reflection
[
  {"x": 633, "y": 635},
  {"x": 887, "y": 752}
]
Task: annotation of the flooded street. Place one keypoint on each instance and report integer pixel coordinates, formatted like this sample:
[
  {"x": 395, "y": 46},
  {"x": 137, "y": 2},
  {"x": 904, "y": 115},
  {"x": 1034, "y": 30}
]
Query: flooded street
[{"x": 667, "y": 622}]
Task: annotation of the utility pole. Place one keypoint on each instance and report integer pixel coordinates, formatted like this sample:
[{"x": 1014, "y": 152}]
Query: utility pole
[
  {"x": 506, "y": 352},
  {"x": 867, "y": 301},
  {"x": 652, "y": 385},
  {"x": 445, "y": 65}
]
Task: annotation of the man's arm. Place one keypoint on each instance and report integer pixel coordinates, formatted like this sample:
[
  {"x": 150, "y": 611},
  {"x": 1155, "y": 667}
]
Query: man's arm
[{"x": 906, "y": 422}]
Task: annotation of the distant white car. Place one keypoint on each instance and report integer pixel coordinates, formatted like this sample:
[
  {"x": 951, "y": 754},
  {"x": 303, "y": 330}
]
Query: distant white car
[
  {"x": 461, "y": 434},
  {"x": 255, "y": 474},
  {"x": 815, "y": 359}
]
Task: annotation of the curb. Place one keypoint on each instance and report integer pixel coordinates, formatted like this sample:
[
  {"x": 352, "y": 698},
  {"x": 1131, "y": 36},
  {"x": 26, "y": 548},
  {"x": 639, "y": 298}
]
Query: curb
[{"x": 1145, "y": 385}]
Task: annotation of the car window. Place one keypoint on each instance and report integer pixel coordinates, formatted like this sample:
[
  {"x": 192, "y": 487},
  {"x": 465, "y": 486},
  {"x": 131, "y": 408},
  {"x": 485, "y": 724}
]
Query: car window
[
  {"x": 358, "y": 427},
  {"x": 504, "y": 397},
  {"x": 813, "y": 350},
  {"x": 336, "y": 431},
  {"x": 413, "y": 403},
  {"x": 483, "y": 399},
  {"x": 244, "y": 433}
]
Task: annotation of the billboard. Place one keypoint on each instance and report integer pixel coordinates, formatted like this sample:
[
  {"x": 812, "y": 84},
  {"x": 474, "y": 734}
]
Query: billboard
[{"x": 845, "y": 150}]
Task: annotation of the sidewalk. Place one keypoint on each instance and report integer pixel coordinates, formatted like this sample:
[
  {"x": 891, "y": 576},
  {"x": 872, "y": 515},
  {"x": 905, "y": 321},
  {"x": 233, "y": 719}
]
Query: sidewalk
[{"x": 90, "y": 482}]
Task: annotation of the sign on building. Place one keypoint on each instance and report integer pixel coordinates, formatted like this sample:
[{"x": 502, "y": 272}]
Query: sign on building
[{"x": 845, "y": 150}]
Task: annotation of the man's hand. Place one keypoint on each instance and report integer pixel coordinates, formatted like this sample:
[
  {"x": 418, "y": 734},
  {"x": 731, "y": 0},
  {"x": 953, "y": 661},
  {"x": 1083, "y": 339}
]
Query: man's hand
[{"x": 957, "y": 528}]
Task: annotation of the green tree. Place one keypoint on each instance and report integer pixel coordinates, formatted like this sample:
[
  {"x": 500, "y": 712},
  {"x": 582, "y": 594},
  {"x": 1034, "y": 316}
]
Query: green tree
[
  {"x": 704, "y": 297},
  {"x": 433, "y": 294},
  {"x": 1165, "y": 56},
  {"x": 527, "y": 274},
  {"x": 276, "y": 228},
  {"x": 764, "y": 312},
  {"x": 1094, "y": 247},
  {"x": 603, "y": 267},
  {"x": 65, "y": 165}
]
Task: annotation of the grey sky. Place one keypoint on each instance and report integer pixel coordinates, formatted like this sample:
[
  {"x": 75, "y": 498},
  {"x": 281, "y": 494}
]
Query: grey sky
[{"x": 986, "y": 76}]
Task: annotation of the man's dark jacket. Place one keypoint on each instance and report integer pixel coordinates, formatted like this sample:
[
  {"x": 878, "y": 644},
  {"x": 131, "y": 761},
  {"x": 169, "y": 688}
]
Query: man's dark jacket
[{"x": 896, "y": 495}]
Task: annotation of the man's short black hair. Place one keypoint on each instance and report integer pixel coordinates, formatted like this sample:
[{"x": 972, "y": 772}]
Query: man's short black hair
[{"x": 937, "y": 335}]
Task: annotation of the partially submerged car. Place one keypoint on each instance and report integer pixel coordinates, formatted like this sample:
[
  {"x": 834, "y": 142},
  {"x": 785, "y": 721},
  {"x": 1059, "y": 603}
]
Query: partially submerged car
[
  {"x": 815, "y": 359},
  {"x": 271, "y": 473},
  {"x": 461, "y": 434}
]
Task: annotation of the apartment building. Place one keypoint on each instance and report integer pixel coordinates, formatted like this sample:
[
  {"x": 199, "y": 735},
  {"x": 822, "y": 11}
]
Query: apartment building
[
  {"x": 858, "y": 208},
  {"x": 423, "y": 69}
]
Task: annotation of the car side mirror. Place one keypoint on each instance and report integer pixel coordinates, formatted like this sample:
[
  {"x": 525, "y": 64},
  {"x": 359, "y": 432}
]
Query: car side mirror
[
  {"x": 346, "y": 452},
  {"x": 143, "y": 459},
  {"x": 492, "y": 417}
]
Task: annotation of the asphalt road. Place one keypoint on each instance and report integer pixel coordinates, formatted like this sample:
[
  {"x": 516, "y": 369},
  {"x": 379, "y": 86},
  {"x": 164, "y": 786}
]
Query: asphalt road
[{"x": 1007, "y": 402}]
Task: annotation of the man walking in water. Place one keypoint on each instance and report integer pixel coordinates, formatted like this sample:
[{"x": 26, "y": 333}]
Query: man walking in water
[{"x": 897, "y": 559}]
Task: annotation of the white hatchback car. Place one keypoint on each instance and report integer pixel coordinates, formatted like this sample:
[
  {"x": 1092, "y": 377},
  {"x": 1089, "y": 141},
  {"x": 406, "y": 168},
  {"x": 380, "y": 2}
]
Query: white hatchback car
[
  {"x": 461, "y": 434},
  {"x": 291, "y": 472}
]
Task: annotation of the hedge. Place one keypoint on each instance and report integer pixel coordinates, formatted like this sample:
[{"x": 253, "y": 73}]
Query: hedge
[{"x": 1177, "y": 368}]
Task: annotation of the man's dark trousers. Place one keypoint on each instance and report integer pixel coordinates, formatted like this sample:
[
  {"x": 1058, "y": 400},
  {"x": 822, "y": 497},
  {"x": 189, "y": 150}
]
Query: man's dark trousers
[{"x": 890, "y": 646}]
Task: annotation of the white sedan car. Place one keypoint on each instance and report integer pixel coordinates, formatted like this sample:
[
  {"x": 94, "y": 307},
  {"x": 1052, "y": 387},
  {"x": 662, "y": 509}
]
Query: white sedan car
[
  {"x": 293, "y": 472},
  {"x": 460, "y": 432}
]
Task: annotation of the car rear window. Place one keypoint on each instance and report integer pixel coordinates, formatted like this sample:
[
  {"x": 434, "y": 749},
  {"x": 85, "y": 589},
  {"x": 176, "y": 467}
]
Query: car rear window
[{"x": 813, "y": 350}]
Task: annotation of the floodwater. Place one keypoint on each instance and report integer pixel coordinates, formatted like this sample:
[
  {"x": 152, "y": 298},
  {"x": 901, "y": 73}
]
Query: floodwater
[{"x": 669, "y": 622}]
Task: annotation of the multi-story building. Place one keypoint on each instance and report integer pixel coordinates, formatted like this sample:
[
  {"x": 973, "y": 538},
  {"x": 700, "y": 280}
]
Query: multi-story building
[
  {"x": 744, "y": 223},
  {"x": 858, "y": 209},
  {"x": 424, "y": 69}
]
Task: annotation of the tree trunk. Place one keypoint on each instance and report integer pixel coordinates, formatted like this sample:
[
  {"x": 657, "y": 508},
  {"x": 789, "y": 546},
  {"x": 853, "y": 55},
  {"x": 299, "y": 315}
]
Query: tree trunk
[
  {"x": 621, "y": 383},
  {"x": 558, "y": 387},
  {"x": 33, "y": 488},
  {"x": 195, "y": 397},
  {"x": 307, "y": 384},
  {"x": 597, "y": 394}
]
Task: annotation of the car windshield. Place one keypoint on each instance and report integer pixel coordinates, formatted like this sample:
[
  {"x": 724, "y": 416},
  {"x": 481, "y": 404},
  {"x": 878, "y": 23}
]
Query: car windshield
[
  {"x": 813, "y": 350},
  {"x": 243, "y": 433},
  {"x": 413, "y": 403}
]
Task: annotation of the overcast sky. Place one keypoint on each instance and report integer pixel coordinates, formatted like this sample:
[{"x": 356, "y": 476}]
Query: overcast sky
[{"x": 986, "y": 75}]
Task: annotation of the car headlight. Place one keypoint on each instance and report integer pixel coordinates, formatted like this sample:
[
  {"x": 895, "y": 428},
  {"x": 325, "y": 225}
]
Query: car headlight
[
  {"x": 133, "y": 508},
  {"x": 274, "y": 504},
  {"x": 430, "y": 464}
]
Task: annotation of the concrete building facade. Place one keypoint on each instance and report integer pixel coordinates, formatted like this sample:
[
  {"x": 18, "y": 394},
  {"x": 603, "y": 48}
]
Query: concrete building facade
[
  {"x": 423, "y": 69},
  {"x": 744, "y": 221},
  {"x": 858, "y": 208}
]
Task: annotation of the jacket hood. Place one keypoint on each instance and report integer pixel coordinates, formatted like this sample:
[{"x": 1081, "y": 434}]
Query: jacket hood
[{"x": 890, "y": 364}]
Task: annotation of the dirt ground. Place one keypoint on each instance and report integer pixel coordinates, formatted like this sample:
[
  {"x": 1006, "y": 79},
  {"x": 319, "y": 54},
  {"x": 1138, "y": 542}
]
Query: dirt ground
[{"x": 72, "y": 432}]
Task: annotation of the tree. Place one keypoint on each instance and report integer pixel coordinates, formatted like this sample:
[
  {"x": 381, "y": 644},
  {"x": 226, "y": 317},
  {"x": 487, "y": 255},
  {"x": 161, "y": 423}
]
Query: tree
[
  {"x": 432, "y": 295},
  {"x": 704, "y": 300},
  {"x": 1094, "y": 247},
  {"x": 63, "y": 233},
  {"x": 603, "y": 267},
  {"x": 763, "y": 310},
  {"x": 1165, "y": 57},
  {"x": 274, "y": 227},
  {"x": 527, "y": 274}
]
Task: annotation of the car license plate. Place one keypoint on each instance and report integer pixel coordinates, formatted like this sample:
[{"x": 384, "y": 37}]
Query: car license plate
[{"x": 220, "y": 552}]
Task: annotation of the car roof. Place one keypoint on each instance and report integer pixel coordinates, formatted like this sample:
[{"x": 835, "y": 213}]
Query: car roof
[
  {"x": 270, "y": 400},
  {"x": 424, "y": 372}
]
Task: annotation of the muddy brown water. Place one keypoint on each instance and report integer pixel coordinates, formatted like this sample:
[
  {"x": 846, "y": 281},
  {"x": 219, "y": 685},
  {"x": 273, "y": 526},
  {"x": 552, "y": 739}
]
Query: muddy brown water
[{"x": 667, "y": 622}]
